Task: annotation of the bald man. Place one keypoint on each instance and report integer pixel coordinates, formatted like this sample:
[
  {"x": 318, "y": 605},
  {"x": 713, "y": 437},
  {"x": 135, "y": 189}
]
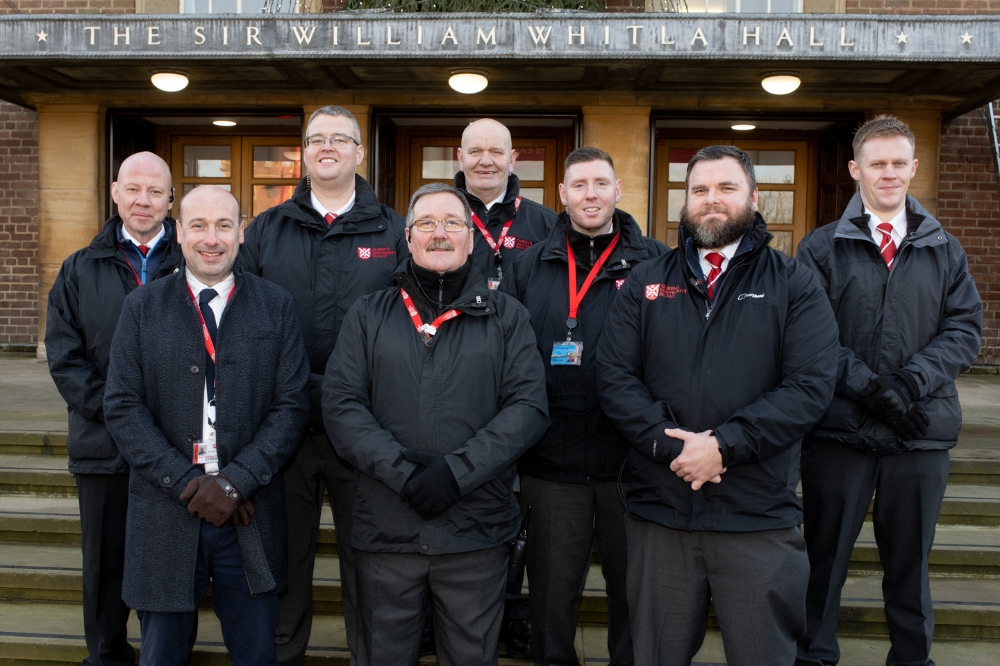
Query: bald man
[
  {"x": 135, "y": 247},
  {"x": 206, "y": 397},
  {"x": 506, "y": 222}
]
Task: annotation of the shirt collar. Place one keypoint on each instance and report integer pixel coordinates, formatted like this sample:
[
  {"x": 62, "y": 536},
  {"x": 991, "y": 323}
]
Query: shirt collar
[
  {"x": 899, "y": 225},
  {"x": 125, "y": 235},
  {"x": 221, "y": 288},
  {"x": 323, "y": 210},
  {"x": 499, "y": 199},
  {"x": 728, "y": 252}
]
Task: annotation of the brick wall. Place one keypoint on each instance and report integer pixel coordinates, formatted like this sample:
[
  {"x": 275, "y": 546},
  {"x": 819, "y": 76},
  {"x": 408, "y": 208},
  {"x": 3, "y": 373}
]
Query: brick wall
[
  {"x": 68, "y": 7},
  {"x": 923, "y": 6}
]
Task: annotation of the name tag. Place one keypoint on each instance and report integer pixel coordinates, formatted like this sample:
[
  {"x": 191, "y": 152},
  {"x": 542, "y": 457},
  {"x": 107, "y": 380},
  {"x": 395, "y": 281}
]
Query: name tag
[
  {"x": 567, "y": 353},
  {"x": 206, "y": 452},
  {"x": 494, "y": 283}
]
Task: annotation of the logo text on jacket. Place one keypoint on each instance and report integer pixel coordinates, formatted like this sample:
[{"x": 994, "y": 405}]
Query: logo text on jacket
[
  {"x": 654, "y": 291},
  {"x": 366, "y": 253}
]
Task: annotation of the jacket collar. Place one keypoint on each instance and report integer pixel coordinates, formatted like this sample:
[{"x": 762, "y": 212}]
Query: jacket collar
[
  {"x": 507, "y": 205},
  {"x": 631, "y": 248},
  {"x": 474, "y": 299},
  {"x": 753, "y": 242},
  {"x": 366, "y": 208},
  {"x": 105, "y": 244},
  {"x": 923, "y": 228}
]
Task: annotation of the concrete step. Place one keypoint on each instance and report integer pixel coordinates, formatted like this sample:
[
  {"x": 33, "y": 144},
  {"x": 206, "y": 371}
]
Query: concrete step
[
  {"x": 958, "y": 549},
  {"x": 35, "y": 475},
  {"x": 41, "y": 442},
  {"x": 979, "y": 466}
]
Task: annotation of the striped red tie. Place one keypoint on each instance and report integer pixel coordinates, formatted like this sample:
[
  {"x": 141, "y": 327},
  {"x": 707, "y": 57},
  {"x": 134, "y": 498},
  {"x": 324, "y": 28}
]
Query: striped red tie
[
  {"x": 716, "y": 260},
  {"x": 330, "y": 217},
  {"x": 887, "y": 247}
]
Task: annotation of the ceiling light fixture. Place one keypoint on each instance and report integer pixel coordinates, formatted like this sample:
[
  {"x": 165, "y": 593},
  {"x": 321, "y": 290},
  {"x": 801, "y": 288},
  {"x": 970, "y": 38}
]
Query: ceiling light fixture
[
  {"x": 781, "y": 83},
  {"x": 468, "y": 81},
  {"x": 224, "y": 123},
  {"x": 744, "y": 127},
  {"x": 169, "y": 81}
]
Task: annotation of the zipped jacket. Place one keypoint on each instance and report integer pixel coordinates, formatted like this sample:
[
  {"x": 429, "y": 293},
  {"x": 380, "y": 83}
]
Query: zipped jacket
[
  {"x": 924, "y": 317},
  {"x": 756, "y": 365},
  {"x": 581, "y": 445},
  {"x": 83, "y": 309},
  {"x": 475, "y": 394}
]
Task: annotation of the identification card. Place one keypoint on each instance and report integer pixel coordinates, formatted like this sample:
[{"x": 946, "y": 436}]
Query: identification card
[
  {"x": 567, "y": 353},
  {"x": 205, "y": 453},
  {"x": 494, "y": 283}
]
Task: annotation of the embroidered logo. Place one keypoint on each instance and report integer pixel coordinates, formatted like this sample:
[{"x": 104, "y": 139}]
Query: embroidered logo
[
  {"x": 619, "y": 282},
  {"x": 365, "y": 253},
  {"x": 748, "y": 295},
  {"x": 521, "y": 244},
  {"x": 509, "y": 242},
  {"x": 654, "y": 291}
]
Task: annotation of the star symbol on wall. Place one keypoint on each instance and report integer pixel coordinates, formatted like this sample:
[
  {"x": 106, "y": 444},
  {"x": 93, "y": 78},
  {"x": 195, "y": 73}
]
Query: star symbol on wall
[
  {"x": 901, "y": 37},
  {"x": 42, "y": 36},
  {"x": 966, "y": 38}
]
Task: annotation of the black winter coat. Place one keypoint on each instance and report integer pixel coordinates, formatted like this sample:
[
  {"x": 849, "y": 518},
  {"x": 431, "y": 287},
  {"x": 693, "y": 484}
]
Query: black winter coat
[
  {"x": 531, "y": 225},
  {"x": 925, "y": 318},
  {"x": 83, "y": 309},
  {"x": 325, "y": 267},
  {"x": 756, "y": 365},
  {"x": 154, "y": 401},
  {"x": 475, "y": 394},
  {"x": 581, "y": 445}
]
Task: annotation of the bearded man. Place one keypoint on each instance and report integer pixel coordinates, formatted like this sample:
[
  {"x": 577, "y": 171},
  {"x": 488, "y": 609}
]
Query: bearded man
[{"x": 725, "y": 355}]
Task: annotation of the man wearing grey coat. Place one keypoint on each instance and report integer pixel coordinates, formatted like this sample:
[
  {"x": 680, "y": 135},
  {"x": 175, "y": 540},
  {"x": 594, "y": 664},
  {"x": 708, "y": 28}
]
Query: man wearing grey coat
[{"x": 206, "y": 396}]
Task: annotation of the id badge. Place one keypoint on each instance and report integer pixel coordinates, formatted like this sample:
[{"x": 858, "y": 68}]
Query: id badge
[
  {"x": 205, "y": 453},
  {"x": 569, "y": 352},
  {"x": 494, "y": 283}
]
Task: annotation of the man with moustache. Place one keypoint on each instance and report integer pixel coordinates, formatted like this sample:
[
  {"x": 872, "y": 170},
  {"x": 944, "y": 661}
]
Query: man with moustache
[
  {"x": 136, "y": 246},
  {"x": 207, "y": 399},
  {"x": 433, "y": 391},
  {"x": 725, "y": 355},
  {"x": 507, "y": 224},
  {"x": 910, "y": 321},
  {"x": 570, "y": 478},
  {"x": 331, "y": 243}
]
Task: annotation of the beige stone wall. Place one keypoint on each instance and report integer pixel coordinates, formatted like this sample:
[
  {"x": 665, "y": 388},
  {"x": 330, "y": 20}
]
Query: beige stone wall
[{"x": 623, "y": 133}]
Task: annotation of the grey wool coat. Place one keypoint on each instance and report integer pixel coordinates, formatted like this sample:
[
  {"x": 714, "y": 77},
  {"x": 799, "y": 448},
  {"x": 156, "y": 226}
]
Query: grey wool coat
[{"x": 153, "y": 407}]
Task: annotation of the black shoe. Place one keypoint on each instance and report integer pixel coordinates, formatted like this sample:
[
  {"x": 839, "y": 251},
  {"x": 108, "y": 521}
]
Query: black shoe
[
  {"x": 517, "y": 637},
  {"x": 427, "y": 638}
]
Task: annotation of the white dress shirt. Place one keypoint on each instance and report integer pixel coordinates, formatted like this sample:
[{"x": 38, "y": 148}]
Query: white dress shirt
[
  {"x": 322, "y": 210},
  {"x": 899, "y": 227},
  {"x": 727, "y": 252},
  {"x": 151, "y": 244},
  {"x": 497, "y": 200}
]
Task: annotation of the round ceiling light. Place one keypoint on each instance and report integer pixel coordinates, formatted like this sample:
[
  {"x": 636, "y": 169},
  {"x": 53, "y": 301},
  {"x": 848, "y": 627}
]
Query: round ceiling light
[
  {"x": 468, "y": 82},
  {"x": 169, "y": 81},
  {"x": 224, "y": 123},
  {"x": 744, "y": 127},
  {"x": 781, "y": 83}
]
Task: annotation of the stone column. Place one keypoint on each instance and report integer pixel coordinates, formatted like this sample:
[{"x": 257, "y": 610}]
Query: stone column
[
  {"x": 71, "y": 189},
  {"x": 363, "y": 113},
  {"x": 623, "y": 133},
  {"x": 926, "y": 126}
]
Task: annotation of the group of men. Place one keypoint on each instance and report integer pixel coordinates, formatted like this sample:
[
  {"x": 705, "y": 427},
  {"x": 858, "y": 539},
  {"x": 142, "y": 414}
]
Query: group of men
[{"x": 440, "y": 375}]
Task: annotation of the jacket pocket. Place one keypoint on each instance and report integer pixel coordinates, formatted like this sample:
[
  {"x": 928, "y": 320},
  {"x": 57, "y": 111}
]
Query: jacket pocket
[
  {"x": 89, "y": 440},
  {"x": 944, "y": 411}
]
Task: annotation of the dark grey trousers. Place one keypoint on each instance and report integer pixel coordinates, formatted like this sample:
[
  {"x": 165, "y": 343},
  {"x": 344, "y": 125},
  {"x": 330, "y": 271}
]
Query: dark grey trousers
[
  {"x": 566, "y": 519},
  {"x": 756, "y": 580},
  {"x": 314, "y": 468},
  {"x": 466, "y": 591},
  {"x": 837, "y": 487}
]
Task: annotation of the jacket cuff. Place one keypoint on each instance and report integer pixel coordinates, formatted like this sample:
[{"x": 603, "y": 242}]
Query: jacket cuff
[
  {"x": 244, "y": 481},
  {"x": 906, "y": 381},
  {"x": 727, "y": 438}
]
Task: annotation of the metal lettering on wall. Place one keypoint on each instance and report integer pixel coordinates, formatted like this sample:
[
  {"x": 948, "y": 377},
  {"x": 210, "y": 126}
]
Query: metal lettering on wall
[{"x": 570, "y": 36}]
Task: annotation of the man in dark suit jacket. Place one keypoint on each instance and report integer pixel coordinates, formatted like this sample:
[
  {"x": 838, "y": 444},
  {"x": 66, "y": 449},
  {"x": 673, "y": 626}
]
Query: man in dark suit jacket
[{"x": 206, "y": 396}]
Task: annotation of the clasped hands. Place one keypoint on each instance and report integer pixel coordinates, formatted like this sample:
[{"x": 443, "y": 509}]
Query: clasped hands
[
  {"x": 210, "y": 502},
  {"x": 700, "y": 461}
]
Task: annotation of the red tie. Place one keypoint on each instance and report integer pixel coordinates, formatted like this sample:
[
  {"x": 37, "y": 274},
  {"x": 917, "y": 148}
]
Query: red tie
[
  {"x": 330, "y": 217},
  {"x": 144, "y": 249},
  {"x": 887, "y": 247},
  {"x": 716, "y": 260}
]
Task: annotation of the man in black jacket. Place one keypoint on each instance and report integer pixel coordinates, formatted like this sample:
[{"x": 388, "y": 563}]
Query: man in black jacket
[
  {"x": 331, "y": 243},
  {"x": 136, "y": 246},
  {"x": 910, "y": 321},
  {"x": 433, "y": 391},
  {"x": 570, "y": 478},
  {"x": 724, "y": 355},
  {"x": 507, "y": 224}
]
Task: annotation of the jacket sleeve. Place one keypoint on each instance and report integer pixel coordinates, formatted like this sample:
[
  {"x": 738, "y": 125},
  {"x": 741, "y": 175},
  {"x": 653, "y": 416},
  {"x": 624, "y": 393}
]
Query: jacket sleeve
[
  {"x": 782, "y": 416},
  {"x": 78, "y": 381},
  {"x": 279, "y": 435},
  {"x": 853, "y": 374},
  {"x": 129, "y": 420},
  {"x": 352, "y": 428},
  {"x": 956, "y": 345},
  {"x": 620, "y": 390},
  {"x": 248, "y": 257},
  {"x": 523, "y": 412}
]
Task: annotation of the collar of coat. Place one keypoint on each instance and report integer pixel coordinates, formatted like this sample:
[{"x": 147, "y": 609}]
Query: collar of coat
[
  {"x": 366, "y": 213},
  {"x": 754, "y": 241},
  {"x": 105, "y": 244},
  {"x": 507, "y": 205},
  {"x": 475, "y": 298},
  {"x": 630, "y": 249},
  {"x": 923, "y": 229}
]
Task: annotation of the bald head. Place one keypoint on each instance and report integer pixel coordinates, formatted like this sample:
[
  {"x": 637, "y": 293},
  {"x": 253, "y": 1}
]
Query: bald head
[
  {"x": 142, "y": 193},
  {"x": 210, "y": 232},
  {"x": 487, "y": 159},
  {"x": 203, "y": 197}
]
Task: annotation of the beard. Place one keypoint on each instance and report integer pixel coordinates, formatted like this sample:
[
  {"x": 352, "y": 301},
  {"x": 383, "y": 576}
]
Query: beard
[{"x": 719, "y": 234}]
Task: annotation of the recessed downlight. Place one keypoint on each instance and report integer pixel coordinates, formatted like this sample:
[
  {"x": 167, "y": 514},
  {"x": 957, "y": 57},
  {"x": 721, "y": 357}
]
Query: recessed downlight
[
  {"x": 744, "y": 127},
  {"x": 222, "y": 122}
]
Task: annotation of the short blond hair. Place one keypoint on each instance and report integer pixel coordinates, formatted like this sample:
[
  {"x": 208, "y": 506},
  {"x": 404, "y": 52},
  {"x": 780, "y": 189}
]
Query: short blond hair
[{"x": 880, "y": 127}]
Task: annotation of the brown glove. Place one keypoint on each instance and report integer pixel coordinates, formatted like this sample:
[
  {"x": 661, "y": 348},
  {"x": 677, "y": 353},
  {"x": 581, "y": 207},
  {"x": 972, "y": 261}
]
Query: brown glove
[
  {"x": 210, "y": 502},
  {"x": 244, "y": 512}
]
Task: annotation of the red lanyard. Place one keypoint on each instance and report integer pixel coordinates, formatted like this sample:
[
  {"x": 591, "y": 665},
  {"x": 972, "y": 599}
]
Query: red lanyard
[
  {"x": 137, "y": 278},
  {"x": 209, "y": 345},
  {"x": 497, "y": 244},
  {"x": 426, "y": 331},
  {"x": 575, "y": 298}
]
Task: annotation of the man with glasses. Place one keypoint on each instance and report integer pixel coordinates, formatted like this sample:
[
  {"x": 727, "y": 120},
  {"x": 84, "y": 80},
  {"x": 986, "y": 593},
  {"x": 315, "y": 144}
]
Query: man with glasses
[
  {"x": 433, "y": 391},
  {"x": 331, "y": 243}
]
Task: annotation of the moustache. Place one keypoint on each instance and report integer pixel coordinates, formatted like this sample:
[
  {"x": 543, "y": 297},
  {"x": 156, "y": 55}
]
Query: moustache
[{"x": 440, "y": 244}]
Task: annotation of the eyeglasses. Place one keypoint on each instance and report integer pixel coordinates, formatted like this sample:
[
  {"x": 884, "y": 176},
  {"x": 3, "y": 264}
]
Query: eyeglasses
[
  {"x": 429, "y": 225},
  {"x": 336, "y": 140}
]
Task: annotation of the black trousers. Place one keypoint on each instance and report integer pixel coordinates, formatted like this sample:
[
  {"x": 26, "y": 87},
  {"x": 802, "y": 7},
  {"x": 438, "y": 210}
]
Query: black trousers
[
  {"x": 566, "y": 520},
  {"x": 103, "y": 506},
  {"x": 837, "y": 487},
  {"x": 314, "y": 468}
]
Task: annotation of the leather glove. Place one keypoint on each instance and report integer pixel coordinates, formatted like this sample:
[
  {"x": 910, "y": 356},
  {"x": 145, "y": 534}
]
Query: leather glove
[
  {"x": 244, "y": 512},
  {"x": 209, "y": 501},
  {"x": 431, "y": 489},
  {"x": 893, "y": 404}
]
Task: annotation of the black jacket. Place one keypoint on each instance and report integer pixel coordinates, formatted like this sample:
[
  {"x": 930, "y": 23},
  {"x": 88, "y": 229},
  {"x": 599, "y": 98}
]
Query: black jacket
[
  {"x": 581, "y": 445},
  {"x": 925, "y": 318},
  {"x": 531, "y": 225},
  {"x": 757, "y": 366},
  {"x": 154, "y": 404},
  {"x": 476, "y": 394},
  {"x": 83, "y": 309},
  {"x": 325, "y": 267}
]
